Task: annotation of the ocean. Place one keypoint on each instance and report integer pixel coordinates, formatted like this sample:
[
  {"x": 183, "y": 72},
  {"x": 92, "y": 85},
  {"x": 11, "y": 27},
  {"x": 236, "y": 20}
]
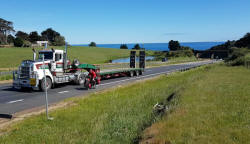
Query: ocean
[{"x": 161, "y": 46}]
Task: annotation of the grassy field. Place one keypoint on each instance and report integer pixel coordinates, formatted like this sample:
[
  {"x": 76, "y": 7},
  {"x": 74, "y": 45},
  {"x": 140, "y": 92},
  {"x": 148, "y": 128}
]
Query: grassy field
[
  {"x": 212, "y": 109},
  {"x": 12, "y": 57},
  {"x": 115, "y": 116}
]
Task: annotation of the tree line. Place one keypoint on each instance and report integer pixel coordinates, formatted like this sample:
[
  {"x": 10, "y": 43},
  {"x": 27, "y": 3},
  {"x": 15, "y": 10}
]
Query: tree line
[
  {"x": 8, "y": 36},
  {"x": 136, "y": 47},
  {"x": 243, "y": 42}
]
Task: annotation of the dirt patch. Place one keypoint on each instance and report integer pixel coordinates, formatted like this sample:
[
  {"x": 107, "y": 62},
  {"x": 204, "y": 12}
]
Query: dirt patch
[
  {"x": 6, "y": 81},
  {"x": 150, "y": 135}
]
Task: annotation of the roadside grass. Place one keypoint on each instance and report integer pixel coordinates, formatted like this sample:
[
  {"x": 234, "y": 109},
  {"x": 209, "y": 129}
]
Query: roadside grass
[
  {"x": 193, "y": 58},
  {"x": 212, "y": 109},
  {"x": 172, "y": 61},
  {"x": 12, "y": 57},
  {"x": 114, "y": 116},
  {"x": 6, "y": 77}
]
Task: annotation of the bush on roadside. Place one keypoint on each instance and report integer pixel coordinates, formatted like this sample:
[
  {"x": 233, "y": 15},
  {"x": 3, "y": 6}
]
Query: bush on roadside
[
  {"x": 238, "y": 57},
  {"x": 5, "y": 77},
  {"x": 181, "y": 53}
]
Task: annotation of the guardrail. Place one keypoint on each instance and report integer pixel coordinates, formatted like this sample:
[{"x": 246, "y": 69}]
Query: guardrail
[{"x": 6, "y": 73}]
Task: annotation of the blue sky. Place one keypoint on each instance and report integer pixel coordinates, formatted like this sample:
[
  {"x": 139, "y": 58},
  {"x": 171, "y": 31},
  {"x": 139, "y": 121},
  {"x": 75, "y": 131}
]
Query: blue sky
[{"x": 132, "y": 21}]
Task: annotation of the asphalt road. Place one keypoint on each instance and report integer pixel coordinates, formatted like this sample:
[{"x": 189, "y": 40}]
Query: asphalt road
[{"x": 12, "y": 101}]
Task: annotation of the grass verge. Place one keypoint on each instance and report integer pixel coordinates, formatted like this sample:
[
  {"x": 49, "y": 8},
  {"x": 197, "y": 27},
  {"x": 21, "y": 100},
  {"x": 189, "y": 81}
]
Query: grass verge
[
  {"x": 6, "y": 77},
  {"x": 212, "y": 109},
  {"x": 117, "y": 116}
]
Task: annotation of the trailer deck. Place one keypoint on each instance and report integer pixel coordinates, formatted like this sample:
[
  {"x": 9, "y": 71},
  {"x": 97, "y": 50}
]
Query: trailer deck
[{"x": 121, "y": 70}]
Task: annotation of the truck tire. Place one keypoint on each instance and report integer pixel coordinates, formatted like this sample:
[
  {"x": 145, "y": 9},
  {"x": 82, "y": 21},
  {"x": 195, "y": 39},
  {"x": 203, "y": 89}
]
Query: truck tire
[
  {"x": 49, "y": 84},
  {"x": 137, "y": 73},
  {"x": 141, "y": 72},
  {"x": 131, "y": 73},
  {"x": 81, "y": 79}
]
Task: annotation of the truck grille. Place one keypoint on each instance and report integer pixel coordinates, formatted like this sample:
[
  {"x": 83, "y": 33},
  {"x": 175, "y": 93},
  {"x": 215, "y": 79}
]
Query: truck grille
[{"x": 25, "y": 72}]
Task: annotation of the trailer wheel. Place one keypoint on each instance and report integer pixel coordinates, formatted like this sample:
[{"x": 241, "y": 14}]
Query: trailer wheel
[
  {"x": 81, "y": 79},
  {"x": 48, "y": 85},
  {"x": 131, "y": 73},
  {"x": 137, "y": 73},
  {"x": 140, "y": 72}
]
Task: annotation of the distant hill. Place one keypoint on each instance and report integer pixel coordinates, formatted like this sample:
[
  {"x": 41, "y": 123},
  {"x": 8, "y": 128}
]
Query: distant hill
[
  {"x": 243, "y": 42},
  {"x": 223, "y": 50}
]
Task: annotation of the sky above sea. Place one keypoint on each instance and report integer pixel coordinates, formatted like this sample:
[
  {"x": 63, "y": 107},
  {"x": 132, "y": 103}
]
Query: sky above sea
[{"x": 132, "y": 21}]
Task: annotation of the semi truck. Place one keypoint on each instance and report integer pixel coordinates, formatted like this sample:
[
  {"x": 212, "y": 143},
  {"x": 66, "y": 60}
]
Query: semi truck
[{"x": 52, "y": 67}]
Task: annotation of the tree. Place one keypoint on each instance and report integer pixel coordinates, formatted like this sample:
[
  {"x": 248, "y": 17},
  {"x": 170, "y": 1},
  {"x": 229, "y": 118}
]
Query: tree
[
  {"x": 92, "y": 44},
  {"x": 174, "y": 45},
  {"x": 18, "y": 42},
  {"x": 137, "y": 47},
  {"x": 10, "y": 39},
  {"x": 243, "y": 42},
  {"x": 22, "y": 35},
  {"x": 123, "y": 46},
  {"x": 59, "y": 41},
  {"x": 26, "y": 43},
  {"x": 34, "y": 36},
  {"x": 50, "y": 35},
  {"x": 6, "y": 27}
]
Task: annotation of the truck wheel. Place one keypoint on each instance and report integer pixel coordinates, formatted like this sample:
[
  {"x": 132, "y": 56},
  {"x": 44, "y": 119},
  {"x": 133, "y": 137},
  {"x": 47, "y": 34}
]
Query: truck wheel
[
  {"x": 140, "y": 72},
  {"x": 48, "y": 85},
  {"x": 137, "y": 73},
  {"x": 131, "y": 73},
  {"x": 81, "y": 79}
]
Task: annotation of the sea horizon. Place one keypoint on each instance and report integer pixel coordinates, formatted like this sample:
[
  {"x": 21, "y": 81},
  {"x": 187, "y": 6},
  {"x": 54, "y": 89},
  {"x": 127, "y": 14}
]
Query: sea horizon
[{"x": 159, "y": 46}]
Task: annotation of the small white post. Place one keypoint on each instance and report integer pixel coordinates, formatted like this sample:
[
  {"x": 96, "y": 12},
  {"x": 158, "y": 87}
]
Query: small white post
[{"x": 45, "y": 85}]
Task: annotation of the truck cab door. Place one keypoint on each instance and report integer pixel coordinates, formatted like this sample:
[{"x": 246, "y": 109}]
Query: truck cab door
[{"x": 59, "y": 62}]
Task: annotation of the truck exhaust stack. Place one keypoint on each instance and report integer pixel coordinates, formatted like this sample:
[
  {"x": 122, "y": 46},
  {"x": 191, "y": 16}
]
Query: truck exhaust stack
[
  {"x": 65, "y": 57},
  {"x": 34, "y": 54}
]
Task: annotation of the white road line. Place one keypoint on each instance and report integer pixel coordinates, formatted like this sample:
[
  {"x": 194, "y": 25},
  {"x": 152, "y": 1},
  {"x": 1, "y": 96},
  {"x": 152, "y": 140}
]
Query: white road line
[
  {"x": 63, "y": 92},
  {"x": 10, "y": 102}
]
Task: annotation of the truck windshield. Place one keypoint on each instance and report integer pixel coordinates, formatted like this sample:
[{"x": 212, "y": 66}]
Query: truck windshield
[{"x": 47, "y": 55}]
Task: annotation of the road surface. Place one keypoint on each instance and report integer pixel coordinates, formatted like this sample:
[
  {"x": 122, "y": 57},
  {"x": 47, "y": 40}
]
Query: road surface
[{"x": 13, "y": 101}]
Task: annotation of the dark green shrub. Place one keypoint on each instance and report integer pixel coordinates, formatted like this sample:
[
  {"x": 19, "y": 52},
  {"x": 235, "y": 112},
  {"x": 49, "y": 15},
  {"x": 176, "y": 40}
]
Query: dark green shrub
[
  {"x": 26, "y": 43},
  {"x": 137, "y": 47},
  {"x": 92, "y": 44},
  {"x": 123, "y": 46},
  {"x": 18, "y": 42},
  {"x": 237, "y": 57},
  {"x": 174, "y": 45}
]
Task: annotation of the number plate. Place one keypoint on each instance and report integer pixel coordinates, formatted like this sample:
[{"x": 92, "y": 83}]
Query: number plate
[{"x": 32, "y": 81}]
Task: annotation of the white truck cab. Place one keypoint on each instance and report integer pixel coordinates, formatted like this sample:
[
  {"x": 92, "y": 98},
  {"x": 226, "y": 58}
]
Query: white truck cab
[{"x": 57, "y": 70}]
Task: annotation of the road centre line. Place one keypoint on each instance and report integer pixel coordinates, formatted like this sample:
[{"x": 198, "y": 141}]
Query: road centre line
[{"x": 11, "y": 102}]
